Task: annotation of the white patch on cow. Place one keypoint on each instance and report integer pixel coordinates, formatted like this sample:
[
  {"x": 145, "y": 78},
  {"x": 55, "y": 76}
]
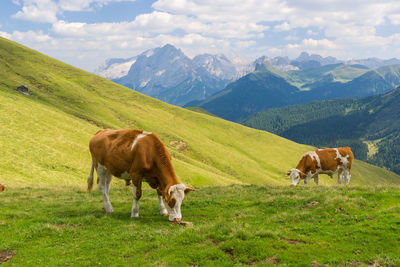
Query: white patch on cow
[
  {"x": 315, "y": 157},
  {"x": 178, "y": 193},
  {"x": 140, "y": 136},
  {"x": 344, "y": 160},
  {"x": 135, "y": 205}
]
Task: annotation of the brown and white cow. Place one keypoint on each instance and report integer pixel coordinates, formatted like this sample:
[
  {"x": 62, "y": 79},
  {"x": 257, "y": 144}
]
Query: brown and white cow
[
  {"x": 323, "y": 161},
  {"x": 138, "y": 156},
  {"x": 2, "y": 187}
]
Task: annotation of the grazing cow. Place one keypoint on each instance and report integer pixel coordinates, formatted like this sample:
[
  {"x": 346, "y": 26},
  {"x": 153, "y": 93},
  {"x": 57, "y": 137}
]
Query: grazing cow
[
  {"x": 323, "y": 161},
  {"x": 138, "y": 156},
  {"x": 2, "y": 187}
]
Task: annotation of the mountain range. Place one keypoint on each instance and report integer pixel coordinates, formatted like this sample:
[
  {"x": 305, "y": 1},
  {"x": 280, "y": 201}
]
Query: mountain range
[
  {"x": 268, "y": 87},
  {"x": 168, "y": 74},
  {"x": 370, "y": 125}
]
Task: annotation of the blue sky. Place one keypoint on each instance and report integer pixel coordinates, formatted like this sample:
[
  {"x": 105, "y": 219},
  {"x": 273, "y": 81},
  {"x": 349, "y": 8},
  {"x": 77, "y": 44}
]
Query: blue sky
[{"x": 86, "y": 32}]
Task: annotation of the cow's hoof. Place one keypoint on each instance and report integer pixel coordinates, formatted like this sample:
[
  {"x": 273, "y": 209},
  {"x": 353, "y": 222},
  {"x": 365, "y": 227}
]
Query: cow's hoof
[
  {"x": 164, "y": 212},
  {"x": 134, "y": 215},
  {"x": 108, "y": 210}
]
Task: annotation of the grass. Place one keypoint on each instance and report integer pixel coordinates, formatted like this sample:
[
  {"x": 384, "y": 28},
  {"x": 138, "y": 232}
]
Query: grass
[
  {"x": 44, "y": 137},
  {"x": 233, "y": 225}
]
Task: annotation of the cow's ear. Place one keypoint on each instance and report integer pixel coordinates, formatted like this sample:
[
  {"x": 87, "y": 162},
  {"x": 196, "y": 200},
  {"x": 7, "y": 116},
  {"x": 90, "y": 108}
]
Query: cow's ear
[
  {"x": 303, "y": 175},
  {"x": 288, "y": 173},
  {"x": 188, "y": 189}
]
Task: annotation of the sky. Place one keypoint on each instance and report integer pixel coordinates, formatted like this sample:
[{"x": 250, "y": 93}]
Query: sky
[{"x": 84, "y": 33}]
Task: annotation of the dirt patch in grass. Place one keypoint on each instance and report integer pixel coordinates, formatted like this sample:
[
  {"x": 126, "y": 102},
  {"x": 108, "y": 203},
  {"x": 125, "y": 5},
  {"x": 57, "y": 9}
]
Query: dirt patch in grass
[
  {"x": 6, "y": 255},
  {"x": 271, "y": 260},
  {"x": 229, "y": 252},
  {"x": 311, "y": 204},
  {"x": 292, "y": 241},
  {"x": 179, "y": 144},
  {"x": 316, "y": 264}
]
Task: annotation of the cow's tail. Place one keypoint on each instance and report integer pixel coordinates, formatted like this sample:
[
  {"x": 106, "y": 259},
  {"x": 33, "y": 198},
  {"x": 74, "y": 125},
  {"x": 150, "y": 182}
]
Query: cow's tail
[{"x": 90, "y": 178}]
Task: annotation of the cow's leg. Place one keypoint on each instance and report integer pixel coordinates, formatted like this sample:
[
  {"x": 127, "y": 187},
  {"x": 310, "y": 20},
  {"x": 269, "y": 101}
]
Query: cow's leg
[
  {"x": 316, "y": 179},
  {"x": 161, "y": 204},
  {"x": 108, "y": 183},
  {"x": 103, "y": 176},
  {"x": 137, "y": 193},
  {"x": 347, "y": 176},
  {"x": 340, "y": 176},
  {"x": 307, "y": 179}
]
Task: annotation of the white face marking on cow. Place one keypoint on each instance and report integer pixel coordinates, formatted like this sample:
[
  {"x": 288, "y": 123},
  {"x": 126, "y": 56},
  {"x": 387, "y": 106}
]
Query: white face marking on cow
[
  {"x": 178, "y": 193},
  {"x": 140, "y": 136},
  {"x": 295, "y": 176}
]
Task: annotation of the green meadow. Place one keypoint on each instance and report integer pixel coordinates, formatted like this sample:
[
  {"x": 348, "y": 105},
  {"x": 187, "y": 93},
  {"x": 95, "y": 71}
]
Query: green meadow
[
  {"x": 243, "y": 210},
  {"x": 232, "y": 225}
]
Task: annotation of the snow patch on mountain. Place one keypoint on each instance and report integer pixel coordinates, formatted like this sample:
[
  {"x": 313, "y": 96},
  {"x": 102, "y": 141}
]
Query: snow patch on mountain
[{"x": 115, "y": 70}]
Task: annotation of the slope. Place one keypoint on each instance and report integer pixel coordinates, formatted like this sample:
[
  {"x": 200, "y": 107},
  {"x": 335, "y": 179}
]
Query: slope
[
  {"x": 44, "y": 136},
  {"x": 370, "y": 125}
]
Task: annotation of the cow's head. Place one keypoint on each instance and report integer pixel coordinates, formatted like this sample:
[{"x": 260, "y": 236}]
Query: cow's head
[
  {"x": 173, "y": 198},
  {"x": 295, "y": 175}
]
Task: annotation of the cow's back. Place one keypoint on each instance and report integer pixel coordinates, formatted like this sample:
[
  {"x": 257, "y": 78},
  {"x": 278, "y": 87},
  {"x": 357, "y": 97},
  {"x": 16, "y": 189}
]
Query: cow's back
[
  {"x": 330, "y": 159},
  {"x": 112, "y": 148}
]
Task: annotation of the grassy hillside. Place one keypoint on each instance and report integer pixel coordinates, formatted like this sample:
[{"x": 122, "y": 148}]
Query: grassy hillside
[
  {"x": 339, "y": 72},
  {"x": 44, "y": 137},
  {"x": 232, "y": 225},
  {"x": 371, "y": 125}
]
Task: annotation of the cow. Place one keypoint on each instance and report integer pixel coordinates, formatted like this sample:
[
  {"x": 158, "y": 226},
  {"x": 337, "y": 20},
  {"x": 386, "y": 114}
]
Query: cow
[
  {"x": 323, "y": 161},
  {"x": 2, "y": 187},
  {"x": 138, "y": 156}
]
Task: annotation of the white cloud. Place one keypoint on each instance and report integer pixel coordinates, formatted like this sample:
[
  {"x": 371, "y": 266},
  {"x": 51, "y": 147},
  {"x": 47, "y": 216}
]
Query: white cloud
[
  {"x": 38, "y": 11},
  {"x": 283, "y": 27},
  {"x": 47, "y": 10},
  {"x": 31, "y": 37},
  {"x": 330, "y": 27},
  {"x": 5, "y": 35},
  {"x": 394, "y": 19},
  {"x": 323, "y": 47}
]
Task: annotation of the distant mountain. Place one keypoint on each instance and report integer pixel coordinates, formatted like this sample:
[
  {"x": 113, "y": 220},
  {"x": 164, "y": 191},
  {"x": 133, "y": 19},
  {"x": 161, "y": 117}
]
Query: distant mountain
[
  {"x": 257, "y": 91},
  {"x": 115, "y": 68},
  {"x": 168, "y": 74},
  {"x": 217, "y": 65},
  {"x": 373, "y": 63},
  {"x": 371, "y": 82},
  {"x": 371, "y": 126},
  {"x": 306, "y": 61}
]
